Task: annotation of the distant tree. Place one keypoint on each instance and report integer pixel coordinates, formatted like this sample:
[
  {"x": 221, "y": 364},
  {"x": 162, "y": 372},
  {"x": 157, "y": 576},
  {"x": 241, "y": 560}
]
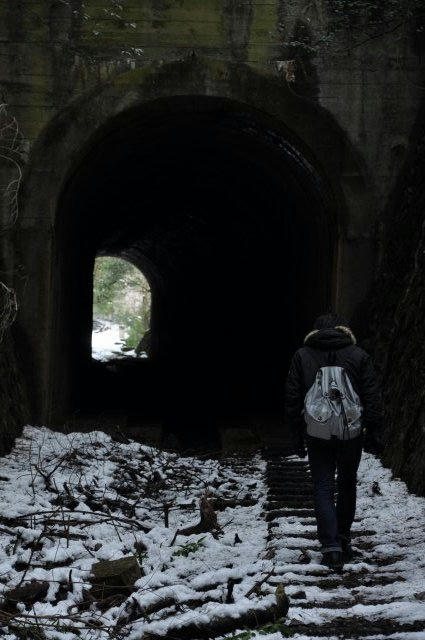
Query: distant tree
[{"x": 121, "y": 294}]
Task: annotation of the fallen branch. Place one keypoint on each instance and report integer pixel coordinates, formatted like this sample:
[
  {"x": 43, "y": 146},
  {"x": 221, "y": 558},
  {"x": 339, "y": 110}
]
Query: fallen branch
[
  {"x": 257, "y": 586},
  {"x": 221, "y": 625},
  {"x": 104, "y": 517},
  {"x": 66, "y": 534}
]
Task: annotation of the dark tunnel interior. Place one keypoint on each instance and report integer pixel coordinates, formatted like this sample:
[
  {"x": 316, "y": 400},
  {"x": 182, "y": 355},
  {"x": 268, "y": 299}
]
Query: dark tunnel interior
[{"x": 232, "y": 230}]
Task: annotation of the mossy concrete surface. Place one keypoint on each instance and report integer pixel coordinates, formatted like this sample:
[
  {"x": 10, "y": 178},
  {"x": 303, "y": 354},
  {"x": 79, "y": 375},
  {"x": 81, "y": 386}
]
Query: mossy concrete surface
[{"x": 72, "y": 73}]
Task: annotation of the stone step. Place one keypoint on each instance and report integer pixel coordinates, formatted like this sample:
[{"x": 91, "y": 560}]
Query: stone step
[
  {"x": 289, "y": 478},
  {"x": 289, "y": 495},
  {"x": 279, "y": 482},
  {"x": 286, "y": 469},
  {"x": 308, "y": 535},
  {"x": 290, "y": 499},
  {"x": 287, "y": 462},
  {"x": 353, "y": 628},
  {"x": 282, "y": 513},
  {"x": 278, "y": 472},
  {"x": 281, "y": 470},
  {"x": 327, "y": 580},
  {"x": 312, "y": 535},
  {"x": 301, "y": 502},
  {"x": 345, "y": 604}
]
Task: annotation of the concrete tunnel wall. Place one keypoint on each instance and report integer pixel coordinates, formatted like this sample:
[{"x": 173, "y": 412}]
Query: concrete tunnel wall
[
  {"x": 89, "y": 168},
  {"x": 67, "y": 69}
]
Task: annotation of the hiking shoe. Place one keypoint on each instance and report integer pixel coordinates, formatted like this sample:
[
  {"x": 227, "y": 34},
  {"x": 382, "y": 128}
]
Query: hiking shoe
[
  {"x": 347, "y": 549},
  {"x": 333, "y": 560}
]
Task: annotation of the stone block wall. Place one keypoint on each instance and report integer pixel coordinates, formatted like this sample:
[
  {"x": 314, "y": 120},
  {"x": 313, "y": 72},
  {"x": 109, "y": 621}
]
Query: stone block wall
[{"x": 56, "y": 54}]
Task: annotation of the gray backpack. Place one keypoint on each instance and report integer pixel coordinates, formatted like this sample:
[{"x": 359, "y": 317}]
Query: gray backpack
[{"x": 331, "y": 407}]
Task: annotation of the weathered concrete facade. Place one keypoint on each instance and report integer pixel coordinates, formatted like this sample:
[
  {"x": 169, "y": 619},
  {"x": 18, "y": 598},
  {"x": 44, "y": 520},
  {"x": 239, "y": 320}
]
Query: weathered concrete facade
[{"x": 93, "y": 85}]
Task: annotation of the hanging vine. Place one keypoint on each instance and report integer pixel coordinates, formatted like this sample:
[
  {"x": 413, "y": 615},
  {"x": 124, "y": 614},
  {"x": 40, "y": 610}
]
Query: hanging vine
[{"x": 11, "y": 154}]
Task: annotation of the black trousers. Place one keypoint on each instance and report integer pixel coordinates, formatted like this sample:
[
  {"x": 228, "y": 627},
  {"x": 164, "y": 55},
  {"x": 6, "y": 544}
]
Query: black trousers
[{"x": 327, "y": 458}]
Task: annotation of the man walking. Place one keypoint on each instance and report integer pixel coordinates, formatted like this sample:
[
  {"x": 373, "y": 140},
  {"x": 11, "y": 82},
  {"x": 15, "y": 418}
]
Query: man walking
[{"x": 333, "y": 404}]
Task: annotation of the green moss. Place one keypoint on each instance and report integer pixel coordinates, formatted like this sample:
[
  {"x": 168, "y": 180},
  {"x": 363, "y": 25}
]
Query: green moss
[
  {"x": 264, "y": 35},
  {"x": 185, "y": 24},
  {"x": 207, "y": 12},
  {"x": 131, "y": 78},
  {"x": 190, "y": 23}
]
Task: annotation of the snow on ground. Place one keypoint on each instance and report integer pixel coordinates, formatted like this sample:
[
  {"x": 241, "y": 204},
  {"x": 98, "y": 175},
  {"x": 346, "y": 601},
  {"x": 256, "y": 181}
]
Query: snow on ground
[
  {"x": 57, "y": 493},
  {"x": 69, "y": 501},
  {"x": 108, "y": 343}
]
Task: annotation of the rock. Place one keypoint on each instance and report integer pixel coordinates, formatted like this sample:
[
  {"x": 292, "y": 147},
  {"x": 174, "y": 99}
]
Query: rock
[
  {"x": 28, "y": 593},
  {"x": 145, "y": 344},
  {"x": 112, "y": 577}
]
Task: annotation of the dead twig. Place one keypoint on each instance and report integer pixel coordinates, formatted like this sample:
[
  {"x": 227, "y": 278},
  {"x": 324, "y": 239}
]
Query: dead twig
[
  {"x": 207, "y": 523},
  {"x": 257, "y": 586},
  {"x": 132, "y": 522}
]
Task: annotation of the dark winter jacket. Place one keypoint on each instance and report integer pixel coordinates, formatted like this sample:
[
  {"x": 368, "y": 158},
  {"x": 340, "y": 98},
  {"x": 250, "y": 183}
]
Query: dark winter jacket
[{"x": 332, "y": 347}]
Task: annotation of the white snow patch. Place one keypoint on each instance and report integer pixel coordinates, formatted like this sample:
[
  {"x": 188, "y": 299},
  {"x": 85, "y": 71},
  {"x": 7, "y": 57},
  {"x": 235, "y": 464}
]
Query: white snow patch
[
  {"x": 133, "y": 482},
  {"x": 108, "y": 342}
]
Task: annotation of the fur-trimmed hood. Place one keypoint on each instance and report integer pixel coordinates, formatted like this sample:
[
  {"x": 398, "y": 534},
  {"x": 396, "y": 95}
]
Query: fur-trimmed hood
[
  {"x": 336, "y": 338},
  {"x": 331, "y": 347}
]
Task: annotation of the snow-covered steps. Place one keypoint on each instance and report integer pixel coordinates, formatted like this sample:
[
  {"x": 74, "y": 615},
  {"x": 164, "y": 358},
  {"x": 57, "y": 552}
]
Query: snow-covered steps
[
  {"x": 69, "y": 501},
  {"x": 381, "y": 594}
]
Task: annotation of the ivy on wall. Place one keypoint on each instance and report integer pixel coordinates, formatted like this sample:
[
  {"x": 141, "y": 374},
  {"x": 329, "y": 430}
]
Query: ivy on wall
[
  {"x": 344, "y": 25},
  {"x": 11, "y": 161}
]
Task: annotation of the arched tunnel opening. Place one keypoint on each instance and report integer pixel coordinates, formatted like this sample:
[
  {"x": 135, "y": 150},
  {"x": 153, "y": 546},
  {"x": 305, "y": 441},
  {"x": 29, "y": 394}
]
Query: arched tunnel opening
[
  {"x": 121, "y": 310},
  {"x": 234, "y": 231}
]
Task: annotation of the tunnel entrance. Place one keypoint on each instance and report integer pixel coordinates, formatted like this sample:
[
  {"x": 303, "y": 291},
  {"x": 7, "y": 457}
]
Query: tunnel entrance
[
  {"x": 121, "y": 310},
  {"x": 234, "y": 230}
]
